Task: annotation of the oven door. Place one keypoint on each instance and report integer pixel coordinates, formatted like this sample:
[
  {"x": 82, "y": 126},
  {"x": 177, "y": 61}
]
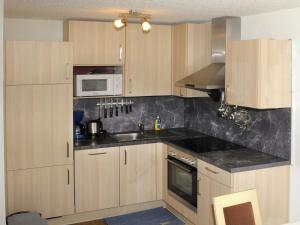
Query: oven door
[
  {"x": 94, "y": 85},
  {"x": 182, "y": 181}
]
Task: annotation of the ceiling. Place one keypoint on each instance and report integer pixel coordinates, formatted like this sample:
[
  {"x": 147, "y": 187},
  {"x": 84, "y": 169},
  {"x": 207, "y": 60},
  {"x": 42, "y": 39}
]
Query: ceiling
[{"x": 162, "y": 11}]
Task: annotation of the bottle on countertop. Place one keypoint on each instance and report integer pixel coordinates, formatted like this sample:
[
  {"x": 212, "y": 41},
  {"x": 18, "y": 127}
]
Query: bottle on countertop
[{"x": 157, "y": 123}]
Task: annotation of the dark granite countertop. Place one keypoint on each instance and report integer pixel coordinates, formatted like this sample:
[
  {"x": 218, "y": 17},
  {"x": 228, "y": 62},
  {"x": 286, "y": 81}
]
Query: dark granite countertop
[
  {"x": 237, "y": 160},
  {"x": 149, "y": 137}
]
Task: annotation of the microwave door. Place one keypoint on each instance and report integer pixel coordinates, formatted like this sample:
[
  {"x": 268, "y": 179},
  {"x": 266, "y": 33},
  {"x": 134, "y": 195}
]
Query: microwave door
[{"x": 93, "y": 85}]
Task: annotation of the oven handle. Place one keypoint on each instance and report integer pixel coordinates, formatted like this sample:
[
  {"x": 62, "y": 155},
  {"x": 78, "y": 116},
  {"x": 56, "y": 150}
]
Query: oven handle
[{"x": 178, "y": 165}]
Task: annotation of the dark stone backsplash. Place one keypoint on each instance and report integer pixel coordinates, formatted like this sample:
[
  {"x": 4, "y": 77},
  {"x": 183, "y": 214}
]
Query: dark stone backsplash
[
  {"x": 144, "y": 109},
  {"x": 269, "y": 132}
]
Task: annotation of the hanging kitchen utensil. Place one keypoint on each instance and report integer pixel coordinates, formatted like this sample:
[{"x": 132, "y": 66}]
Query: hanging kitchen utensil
[
  {"x": 111, "y": 110},
  {"x": 122, "y": 106},
  {"x": 130, "y": 106},
  {"x": 117, "y": 108},
  {"x": 105, "y": 109},
  {"x": 126, "y": 107}
]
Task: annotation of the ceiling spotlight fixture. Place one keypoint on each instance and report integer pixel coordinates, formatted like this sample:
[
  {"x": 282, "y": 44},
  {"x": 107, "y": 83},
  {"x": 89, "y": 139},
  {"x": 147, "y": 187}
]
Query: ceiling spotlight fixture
[
  {"x": 123, "y": 19},
  {"x": 120, "y": 23},
  {"x": 146, "y": 25}
]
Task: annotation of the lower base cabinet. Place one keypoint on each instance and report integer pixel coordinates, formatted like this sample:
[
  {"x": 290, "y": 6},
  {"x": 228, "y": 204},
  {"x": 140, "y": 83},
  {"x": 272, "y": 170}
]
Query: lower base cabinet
[
  {"x": 208, "y": 189},
  {"x": 97, "y": 179},
  {"x": 48, "y": 190},
  {"x": 138, "y": 174},
  {"x": 271, "y": 184}
]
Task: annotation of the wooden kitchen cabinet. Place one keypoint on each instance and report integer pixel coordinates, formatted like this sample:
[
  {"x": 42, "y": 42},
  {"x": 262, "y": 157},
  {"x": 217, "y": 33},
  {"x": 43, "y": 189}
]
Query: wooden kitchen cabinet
[
  {"x": 191, "y": 52},
  {"x": 271, "y": 184},
  {"x": 48, "y": 190},
  {"x": 38, "y": 62},
  {"x": 38, "y": 126},
  {"x": 96, "y": 179},
  {"x": 95, "y": 43},
  {"x": 258, "y": 73},
  {"x": 208, "y": 189},
  {"x": 137, "y": 174},
  {"x": 148, "y": 61}
]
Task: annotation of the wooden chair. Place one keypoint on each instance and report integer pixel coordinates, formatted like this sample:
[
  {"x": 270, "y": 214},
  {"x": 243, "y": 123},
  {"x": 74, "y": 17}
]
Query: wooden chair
[{"x": 239, "y": 208}]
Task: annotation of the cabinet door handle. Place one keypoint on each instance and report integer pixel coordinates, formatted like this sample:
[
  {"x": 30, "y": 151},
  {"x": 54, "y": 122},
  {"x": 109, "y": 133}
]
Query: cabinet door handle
[
  {"x": 98, "y": 153},
  {"x": 68, "y": 150},
  {"x": 120, "y": 53},
  {"x": 67, "y": 71},
  {"x": 198, "y": 186},
  {"x": 68, "y": 176},
  {"x": 125, "y": 159},
  {"x": 212, "y": 171}
]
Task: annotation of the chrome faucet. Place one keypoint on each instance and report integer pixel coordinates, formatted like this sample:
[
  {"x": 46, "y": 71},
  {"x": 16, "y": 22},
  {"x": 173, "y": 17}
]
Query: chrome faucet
[{"x": 141, "y": 127}]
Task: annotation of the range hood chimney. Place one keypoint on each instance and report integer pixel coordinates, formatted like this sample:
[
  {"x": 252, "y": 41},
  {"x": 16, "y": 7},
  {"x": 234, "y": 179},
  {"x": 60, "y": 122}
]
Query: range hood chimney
[{"x": 211, "y": 79}]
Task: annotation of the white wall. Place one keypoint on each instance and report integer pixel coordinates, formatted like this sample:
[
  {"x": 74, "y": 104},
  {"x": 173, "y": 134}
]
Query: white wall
[
  {"x": 28, "y": 29},
  {"x": 284, "y": 25},
  {"x": 2, "y": 177}
]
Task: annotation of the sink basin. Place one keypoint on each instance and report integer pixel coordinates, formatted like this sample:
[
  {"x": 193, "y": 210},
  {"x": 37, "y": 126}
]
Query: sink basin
[{"x": 128, "y": 136}]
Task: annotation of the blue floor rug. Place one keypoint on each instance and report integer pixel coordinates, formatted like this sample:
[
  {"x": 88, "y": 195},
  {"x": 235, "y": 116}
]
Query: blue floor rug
[{"x": 157, "y": 216}]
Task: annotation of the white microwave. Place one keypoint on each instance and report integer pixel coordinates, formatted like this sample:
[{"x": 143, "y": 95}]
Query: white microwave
[{"x": 98, "y": 85}]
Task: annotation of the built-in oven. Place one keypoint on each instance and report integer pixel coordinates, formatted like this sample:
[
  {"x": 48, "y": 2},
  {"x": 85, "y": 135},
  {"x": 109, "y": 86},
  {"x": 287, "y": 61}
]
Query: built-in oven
[{"x": 182, "y": 178}]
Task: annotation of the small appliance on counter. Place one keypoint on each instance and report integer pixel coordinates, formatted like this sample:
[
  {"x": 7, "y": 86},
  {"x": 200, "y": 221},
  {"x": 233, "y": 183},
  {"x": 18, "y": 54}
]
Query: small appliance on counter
[
  {"x": 78, "y": 127},
  {"x": 95, "y": 128}
]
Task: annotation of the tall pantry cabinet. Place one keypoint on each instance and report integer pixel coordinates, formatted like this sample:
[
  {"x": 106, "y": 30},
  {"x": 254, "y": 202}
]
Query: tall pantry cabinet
[{"x": 38, "y": 131}]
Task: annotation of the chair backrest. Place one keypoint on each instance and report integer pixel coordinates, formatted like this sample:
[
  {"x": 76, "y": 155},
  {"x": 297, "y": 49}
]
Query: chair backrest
[{"x": 239, "y": 208}]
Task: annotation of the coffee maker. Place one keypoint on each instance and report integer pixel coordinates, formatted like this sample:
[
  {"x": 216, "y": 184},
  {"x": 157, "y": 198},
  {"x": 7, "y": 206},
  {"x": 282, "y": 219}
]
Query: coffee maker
[{"x": 79, "y": 129}]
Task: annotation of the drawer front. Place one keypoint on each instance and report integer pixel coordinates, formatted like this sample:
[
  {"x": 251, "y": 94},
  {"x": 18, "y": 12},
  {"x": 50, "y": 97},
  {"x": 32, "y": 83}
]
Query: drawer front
[{"x": 214, "y": 173}]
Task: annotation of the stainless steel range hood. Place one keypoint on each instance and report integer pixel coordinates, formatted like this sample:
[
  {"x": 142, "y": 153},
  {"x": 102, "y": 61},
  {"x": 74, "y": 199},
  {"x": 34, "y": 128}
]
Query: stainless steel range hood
[{"x": 212, "y": 77}]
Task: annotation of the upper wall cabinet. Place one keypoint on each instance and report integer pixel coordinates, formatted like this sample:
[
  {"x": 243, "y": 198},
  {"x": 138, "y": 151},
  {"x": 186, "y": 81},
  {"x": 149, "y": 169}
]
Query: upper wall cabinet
[
  {"x": 95, "y": 43},
  {"x": 258, "y": 73},
  {"x": 38, "y": 62},
  {"x": 191, "y": 52},
  {"x": 148, "y": 61}
]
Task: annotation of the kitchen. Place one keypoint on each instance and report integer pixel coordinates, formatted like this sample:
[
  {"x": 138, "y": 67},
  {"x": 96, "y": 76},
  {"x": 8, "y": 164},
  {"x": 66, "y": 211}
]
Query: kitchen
[{"x": 136, "y": 162}]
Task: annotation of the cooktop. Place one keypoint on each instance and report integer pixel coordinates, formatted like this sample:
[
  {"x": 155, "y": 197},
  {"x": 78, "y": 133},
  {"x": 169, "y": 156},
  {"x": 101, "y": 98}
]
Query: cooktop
[{"x": 205, "y": 144}]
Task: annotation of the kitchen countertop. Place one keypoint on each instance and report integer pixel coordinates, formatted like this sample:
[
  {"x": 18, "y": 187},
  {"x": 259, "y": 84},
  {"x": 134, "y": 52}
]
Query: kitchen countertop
[{"x": 238, "y": 160}]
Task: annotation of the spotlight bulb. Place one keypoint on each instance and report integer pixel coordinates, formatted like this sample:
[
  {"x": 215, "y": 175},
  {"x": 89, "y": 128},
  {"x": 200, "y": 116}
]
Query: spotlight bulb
[
  {"x": 146, "y": 26},
  {"x": 119, "y": 23}
]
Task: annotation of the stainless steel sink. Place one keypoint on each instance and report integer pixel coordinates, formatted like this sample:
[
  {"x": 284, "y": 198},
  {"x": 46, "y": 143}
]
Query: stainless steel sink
[{"x": 128, "y": 136}]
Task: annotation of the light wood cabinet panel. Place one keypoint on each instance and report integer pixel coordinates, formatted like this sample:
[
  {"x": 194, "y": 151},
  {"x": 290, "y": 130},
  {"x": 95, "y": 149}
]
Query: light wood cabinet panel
[
  {"x": 148, "y": 61},
  {"x": 137, "y": 174},
  {"x": 38, "y": 62},
  {"x": 97, "y": 179},
  {"x": 191, "y": 52},
  {"x": 208, "y": 189},
  {"x": 96, "y": 43},
  {"x": 258, "y": 73},
  {"x": 271, "y": 184},
  {"x": 62, "y": 124},
  {"x": 49, "y": 190},
  {"x": 38, "y": 125}
]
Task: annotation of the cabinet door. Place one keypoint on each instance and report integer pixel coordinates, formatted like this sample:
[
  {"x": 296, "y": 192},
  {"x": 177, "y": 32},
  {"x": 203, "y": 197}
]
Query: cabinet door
[
  {"x": 97, "y": 43},
  {"x": 62, "y": 123},
  {"x": 97, "y": 179},
  {"x": 38, "y": 62},
  {"x": 48, "y": 190},
  {"x": 208, "y": 189},
  {"x": 258, "y": 73},
  {"x": 191, "y": 52},
  {"x": 137, "y": 174},
  {"x": 148, "y": 61},
  {"x": 38, "y": 125}
]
